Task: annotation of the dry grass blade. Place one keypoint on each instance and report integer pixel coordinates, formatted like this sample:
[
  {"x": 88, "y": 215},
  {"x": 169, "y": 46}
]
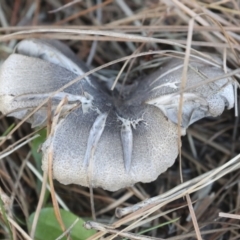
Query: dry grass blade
[
  {"x": 182, "y": 87},
  {"x": 186, "y": 187},
  {"x": 39, "y": 206},
  {"x": 50, "y": 168},
  {"x": 228, "y": 215}
]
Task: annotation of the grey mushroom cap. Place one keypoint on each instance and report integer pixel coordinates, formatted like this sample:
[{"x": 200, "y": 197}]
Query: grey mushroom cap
[{"x": 103, "y": 139}]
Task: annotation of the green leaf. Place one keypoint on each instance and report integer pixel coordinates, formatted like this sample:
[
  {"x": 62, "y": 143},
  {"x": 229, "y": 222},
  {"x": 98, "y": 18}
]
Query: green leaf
[
  {"x": 48, "y": 226},
  {"x": 8, "y": 130},
  {"x": 4, "y": 216},
  {"x": 35, "y": 144}
]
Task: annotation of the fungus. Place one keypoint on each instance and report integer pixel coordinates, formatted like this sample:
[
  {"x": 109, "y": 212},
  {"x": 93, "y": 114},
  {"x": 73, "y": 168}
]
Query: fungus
[{"x": 102, "y": 139}]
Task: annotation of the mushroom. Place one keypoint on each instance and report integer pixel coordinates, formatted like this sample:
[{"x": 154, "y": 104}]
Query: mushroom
[{"x": 103, "y": 139}]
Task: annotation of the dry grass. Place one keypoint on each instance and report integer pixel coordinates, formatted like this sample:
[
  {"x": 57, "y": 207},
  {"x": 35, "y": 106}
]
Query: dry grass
[{"x": 199, "y": 201}]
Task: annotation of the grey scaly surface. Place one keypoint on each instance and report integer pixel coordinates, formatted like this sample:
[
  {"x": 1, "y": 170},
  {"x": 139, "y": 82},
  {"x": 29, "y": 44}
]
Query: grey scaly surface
[{"x": 101, "y": 139}]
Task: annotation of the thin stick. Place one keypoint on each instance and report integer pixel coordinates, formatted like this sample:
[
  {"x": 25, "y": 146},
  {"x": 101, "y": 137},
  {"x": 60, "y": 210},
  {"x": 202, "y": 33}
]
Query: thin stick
[
  {"x": 40, "y": 203},
  {"x": 229, "y": 215},
  {"x": 24, "y": 234},
  {"x": 54, "y": 200},
  {"x": 18, "y": 146},
  {"x": 65, "y": 6},
  {"x": 182, "y": 88},
  {"x": 193, "y": 216},
  {"x": 50, "y": 166},
  {"x": 84, "y": 12}
]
